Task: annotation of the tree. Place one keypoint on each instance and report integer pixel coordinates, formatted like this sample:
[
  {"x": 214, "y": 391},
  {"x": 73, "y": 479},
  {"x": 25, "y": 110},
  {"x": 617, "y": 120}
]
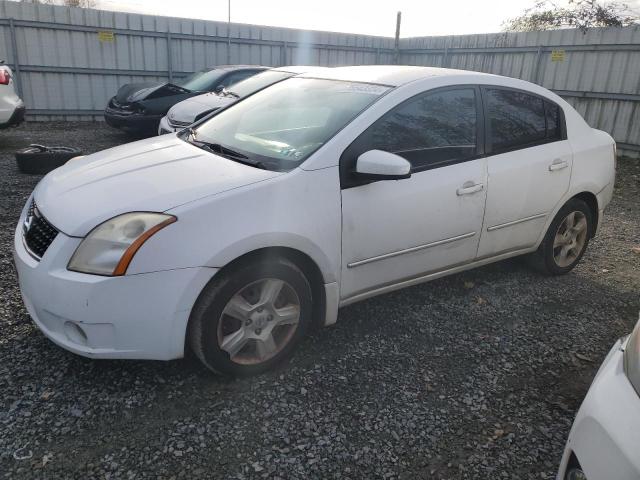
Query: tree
[{"x": 582, "y": 14}]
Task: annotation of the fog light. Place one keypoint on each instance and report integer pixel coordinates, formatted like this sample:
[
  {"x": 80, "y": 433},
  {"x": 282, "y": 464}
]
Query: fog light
[
  {"x": 75, "y": 333},
  {"x": 576, "y": 474}
]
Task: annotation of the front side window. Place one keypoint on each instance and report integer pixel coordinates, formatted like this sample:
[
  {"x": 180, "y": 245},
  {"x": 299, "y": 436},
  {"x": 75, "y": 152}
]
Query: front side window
[
  {"x": 430, "y": 130},
  {"x": 516, "y": 119},
  {"x": 281, "y": 126}
]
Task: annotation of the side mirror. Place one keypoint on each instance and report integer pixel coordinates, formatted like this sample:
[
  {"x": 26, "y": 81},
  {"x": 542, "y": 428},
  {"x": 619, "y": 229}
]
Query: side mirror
[{"x": 379, "y": 165}]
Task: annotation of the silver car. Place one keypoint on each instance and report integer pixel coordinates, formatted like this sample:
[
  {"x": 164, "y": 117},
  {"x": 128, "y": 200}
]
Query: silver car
[{"x": 189, "y": 111}]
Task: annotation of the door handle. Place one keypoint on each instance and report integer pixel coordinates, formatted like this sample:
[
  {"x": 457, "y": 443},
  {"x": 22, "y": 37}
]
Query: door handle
[
  {"x": 558, "y": 164},
  {"x": 469, "y": 187}
]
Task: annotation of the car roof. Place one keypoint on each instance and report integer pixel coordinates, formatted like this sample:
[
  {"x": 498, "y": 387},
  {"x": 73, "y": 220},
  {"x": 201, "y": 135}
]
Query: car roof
[{"x": 391, "y": 75}]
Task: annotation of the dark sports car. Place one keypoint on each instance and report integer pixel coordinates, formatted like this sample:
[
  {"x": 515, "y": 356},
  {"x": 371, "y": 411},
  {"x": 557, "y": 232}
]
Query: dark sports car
[{"x": 138, "y": 107}]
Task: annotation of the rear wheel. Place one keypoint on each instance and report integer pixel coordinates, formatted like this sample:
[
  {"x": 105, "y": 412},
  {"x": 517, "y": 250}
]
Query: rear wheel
[
  {"x": 566, "y": 239},
  {"x": 252, "y": 318}
]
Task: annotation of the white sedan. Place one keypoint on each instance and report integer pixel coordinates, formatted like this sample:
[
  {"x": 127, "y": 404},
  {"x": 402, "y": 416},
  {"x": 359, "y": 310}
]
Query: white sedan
[
  {"x": 604, "y": 443},
  {"x": 235, "y": 237}
]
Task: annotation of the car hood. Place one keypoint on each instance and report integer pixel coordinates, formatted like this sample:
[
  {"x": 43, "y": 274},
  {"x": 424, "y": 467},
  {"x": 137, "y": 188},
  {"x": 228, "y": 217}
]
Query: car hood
[
  {"x": 156, "y": 175},
  {"x": 189, "y": 109},
  {"x": 135, "y": 92}
]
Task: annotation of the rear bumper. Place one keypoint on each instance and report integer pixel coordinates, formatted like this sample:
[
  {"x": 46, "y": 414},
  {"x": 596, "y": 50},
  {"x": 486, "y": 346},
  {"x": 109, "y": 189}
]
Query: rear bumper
[
  {"x": 605, "y": 437},
  {"x": 142, "y": 316},
  {"x": 17, "y": 117}
]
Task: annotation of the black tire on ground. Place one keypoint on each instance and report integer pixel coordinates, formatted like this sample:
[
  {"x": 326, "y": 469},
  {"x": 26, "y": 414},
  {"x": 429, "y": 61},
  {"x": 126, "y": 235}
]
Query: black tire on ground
[
  {"x": 544, "y": 259},
  {"x": 206, "y": 315},
  {"x": 38, "y": 159}
]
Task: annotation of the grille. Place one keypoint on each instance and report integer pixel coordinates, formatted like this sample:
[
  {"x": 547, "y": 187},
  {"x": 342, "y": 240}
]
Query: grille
[
  {"x": 178, "y": 124},
  {"x": 38, "y": 233}
]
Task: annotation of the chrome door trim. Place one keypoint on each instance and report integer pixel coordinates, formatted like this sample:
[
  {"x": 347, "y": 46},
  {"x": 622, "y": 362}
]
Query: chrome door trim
[
  {"x": 515, "y": 222},
  {"x": 410, "y": 250}
]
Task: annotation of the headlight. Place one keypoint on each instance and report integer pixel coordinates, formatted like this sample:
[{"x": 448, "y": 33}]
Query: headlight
[
  {"x": 632, "y": 358},
  {"x": 110, "y": 247}
]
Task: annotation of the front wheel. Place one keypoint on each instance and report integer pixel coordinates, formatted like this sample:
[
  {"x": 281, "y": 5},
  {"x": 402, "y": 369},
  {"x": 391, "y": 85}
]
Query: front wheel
[
  {"x": 251, "y": 318},
  {"x": 566, "y": 239}
]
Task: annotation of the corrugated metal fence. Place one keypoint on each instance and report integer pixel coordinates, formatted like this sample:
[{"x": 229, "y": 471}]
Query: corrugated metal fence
[{"x": 69, "y": 61}]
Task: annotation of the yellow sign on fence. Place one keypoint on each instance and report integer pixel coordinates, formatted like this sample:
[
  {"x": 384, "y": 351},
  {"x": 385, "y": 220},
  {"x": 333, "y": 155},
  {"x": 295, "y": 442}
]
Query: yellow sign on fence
[
  {"x": 557, "y": 55},
  {"x": 106, "y": 36}
]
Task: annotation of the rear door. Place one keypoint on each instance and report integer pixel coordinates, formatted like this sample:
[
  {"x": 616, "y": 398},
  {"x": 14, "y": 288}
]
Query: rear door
[{"x": 529, "y": 167}]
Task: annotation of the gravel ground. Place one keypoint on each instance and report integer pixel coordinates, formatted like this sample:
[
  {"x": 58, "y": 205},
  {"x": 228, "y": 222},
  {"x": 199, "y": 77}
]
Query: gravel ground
[{"x": 478, "y": 375}]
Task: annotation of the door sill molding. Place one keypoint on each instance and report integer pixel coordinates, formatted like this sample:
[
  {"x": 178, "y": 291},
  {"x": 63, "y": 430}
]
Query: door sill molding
[
  {"x": 410, "y": 250},
  {"x": 515, "y": 222},
  {"x": 433, "y": 275}
]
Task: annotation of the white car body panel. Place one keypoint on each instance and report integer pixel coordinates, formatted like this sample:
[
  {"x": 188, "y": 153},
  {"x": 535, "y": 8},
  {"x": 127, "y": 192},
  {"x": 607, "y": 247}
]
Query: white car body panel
[
  {"x": 147, "y": 175},
  {"x": 374, "y": 211},
  {"x": 605, "y": 436},
  {"x": 226, "y": 209},
  {"x": 533, "y": 190},
  {"x": 9, "y": 99}
]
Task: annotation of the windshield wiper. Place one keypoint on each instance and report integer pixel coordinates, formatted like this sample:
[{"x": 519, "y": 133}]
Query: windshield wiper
[{"x": 221, "y": 150}]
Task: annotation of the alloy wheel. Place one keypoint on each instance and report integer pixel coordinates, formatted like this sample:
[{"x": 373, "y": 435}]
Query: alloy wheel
[
  {"x": 259, "y": 321},
  {"x": 570, "y": 239}
]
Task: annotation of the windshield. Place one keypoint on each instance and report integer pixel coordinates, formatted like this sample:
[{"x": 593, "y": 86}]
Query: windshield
[
  {"x": 258, "y": 82},
  {"x": 200, "y": 81},
  {"x": 282, "y": 125}
]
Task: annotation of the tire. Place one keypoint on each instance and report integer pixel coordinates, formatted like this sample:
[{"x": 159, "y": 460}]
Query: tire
[
  {"x": 219, "y": 316},
  {"x": 38, "y": 159},
  {"x": 549, "y": 259}
]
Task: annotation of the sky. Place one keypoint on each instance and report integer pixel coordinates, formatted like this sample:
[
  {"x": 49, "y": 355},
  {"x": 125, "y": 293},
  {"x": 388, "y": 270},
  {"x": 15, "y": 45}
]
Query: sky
[{"x": 373, "y": 17}]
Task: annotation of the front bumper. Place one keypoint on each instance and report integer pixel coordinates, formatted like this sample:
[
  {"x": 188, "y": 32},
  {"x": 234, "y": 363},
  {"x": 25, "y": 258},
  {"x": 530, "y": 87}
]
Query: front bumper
[
  {"x": 134, "y": 122},
  {"x": 134, "y": 316},
  {"x": 605, "y": 437}
]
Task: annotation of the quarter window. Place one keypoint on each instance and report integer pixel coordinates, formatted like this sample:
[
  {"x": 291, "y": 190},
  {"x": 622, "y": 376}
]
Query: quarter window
[
  {"x": 515, "y": 119},
  {"x": 429, "y": 130}
]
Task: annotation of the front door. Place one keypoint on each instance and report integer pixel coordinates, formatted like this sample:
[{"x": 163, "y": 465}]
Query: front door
[{"x": 394, "y": 230}]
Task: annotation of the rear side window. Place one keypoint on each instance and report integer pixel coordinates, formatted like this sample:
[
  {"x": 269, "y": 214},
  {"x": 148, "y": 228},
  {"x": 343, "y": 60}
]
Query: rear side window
[
  {"x": 516, "y": 119},
  {"x": 430, "y": 130}
]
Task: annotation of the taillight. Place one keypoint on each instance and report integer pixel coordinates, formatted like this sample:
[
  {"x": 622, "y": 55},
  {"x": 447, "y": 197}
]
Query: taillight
[{"x": 5, "y": 76}]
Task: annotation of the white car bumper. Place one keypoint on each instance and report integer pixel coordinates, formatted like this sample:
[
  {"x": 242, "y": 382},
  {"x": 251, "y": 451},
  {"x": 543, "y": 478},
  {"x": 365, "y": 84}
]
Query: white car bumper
[
  {"x": 605, "y": 437},
  {"x": 134, "y": 316}
]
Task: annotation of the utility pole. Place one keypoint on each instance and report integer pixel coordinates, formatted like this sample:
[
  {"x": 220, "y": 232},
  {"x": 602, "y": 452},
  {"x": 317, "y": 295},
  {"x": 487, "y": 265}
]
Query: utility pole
[
  {"x": 229, "y": 33},
  {"x": 396, "y": 58}
]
